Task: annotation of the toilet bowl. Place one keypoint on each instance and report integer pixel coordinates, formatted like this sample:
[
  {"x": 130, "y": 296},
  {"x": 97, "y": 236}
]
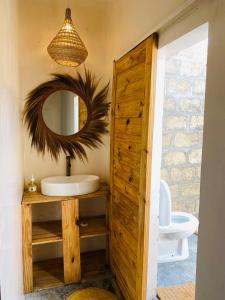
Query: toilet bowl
[{"x": 174, "y": 229}]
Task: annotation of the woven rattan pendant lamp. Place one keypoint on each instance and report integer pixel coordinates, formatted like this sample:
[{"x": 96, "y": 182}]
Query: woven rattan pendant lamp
[{"x": 67, "y": 48}]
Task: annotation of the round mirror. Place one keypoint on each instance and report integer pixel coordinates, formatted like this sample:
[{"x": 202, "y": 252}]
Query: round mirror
[
  {"x": 64, "y": 112},
  {"x": 59, "y": 121}
]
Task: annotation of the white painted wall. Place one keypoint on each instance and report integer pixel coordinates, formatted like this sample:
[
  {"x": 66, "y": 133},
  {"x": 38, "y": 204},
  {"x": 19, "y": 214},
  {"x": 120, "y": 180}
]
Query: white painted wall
[
  {"x": 11, "y": 172},
  {"x": 133, "y": 20},
  {"x": 211, "y": 258},
  {"x": 39, "y": 21}
]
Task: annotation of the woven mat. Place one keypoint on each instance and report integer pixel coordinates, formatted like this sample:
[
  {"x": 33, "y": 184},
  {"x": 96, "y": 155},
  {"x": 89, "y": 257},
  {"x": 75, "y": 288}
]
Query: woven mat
[
  {"x": 180, "y": 292},
  {"x": 92, "y": 294}
]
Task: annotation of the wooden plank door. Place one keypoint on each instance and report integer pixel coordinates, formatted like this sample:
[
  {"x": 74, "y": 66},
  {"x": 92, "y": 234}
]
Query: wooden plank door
[{"x": 131, "y": 154}]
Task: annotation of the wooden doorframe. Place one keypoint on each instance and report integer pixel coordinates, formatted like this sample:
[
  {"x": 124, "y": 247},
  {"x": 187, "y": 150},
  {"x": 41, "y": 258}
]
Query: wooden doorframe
[
  {"x": 146, "y": 169},
  {"x": 146, "y": 161}
]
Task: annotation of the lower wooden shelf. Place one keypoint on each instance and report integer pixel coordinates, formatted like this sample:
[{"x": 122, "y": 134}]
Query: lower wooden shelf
[
  {"x": 49, "y": 273},
  {"x": 93, "y": 263}
]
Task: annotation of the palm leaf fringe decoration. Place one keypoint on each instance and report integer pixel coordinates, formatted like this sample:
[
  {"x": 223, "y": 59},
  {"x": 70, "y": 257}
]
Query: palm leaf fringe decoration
[{"x": 90, "y": 135}]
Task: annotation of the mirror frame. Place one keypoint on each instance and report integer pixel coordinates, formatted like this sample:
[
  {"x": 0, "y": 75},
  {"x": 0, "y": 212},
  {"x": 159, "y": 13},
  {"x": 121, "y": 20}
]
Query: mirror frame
[{"x": 43, "y": 138}]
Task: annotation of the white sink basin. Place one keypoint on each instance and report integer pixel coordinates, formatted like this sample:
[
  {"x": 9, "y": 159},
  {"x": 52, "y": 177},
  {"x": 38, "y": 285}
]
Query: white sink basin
[{"x": 69, "y": 185}]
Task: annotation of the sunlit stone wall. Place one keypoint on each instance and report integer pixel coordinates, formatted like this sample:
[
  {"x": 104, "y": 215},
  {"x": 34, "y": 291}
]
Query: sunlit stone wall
[{"x": 183, "y": 115}]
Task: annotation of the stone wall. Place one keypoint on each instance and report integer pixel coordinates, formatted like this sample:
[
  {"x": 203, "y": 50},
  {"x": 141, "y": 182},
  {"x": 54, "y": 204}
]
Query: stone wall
[{"x": 183, "y": 126}]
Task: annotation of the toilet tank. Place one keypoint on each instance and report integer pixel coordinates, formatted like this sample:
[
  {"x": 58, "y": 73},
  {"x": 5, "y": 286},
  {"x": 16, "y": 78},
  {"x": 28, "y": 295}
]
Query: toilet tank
[{"x": 164, "y": 204}]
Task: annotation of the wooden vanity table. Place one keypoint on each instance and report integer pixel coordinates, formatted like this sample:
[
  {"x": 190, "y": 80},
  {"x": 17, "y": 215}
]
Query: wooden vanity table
[{"x": 73, "y": 266}]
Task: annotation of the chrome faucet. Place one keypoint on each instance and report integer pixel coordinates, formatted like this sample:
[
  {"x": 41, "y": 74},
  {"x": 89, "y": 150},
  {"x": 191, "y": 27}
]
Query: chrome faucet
[{"x": 68, "y": 165}]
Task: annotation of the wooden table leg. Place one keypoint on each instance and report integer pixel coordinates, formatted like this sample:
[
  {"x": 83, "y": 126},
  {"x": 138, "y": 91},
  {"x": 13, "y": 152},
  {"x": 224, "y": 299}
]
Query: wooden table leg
[
  {"x": 71, "y": 241},
  {"x": 27, "y": 248}
]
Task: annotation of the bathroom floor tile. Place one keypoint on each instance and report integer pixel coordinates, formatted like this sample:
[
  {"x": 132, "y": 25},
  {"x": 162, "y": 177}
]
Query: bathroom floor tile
[{"x": 181, "y": 272}]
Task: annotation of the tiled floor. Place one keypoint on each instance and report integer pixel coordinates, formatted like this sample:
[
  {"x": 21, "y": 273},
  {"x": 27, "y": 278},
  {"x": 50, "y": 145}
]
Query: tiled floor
[
  {"x": 63, "y": 292},
  {"x": 170, "y": 274}
]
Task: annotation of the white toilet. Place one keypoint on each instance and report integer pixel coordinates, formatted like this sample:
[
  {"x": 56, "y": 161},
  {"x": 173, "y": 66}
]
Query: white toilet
[{"x": 174, "y": 229}]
